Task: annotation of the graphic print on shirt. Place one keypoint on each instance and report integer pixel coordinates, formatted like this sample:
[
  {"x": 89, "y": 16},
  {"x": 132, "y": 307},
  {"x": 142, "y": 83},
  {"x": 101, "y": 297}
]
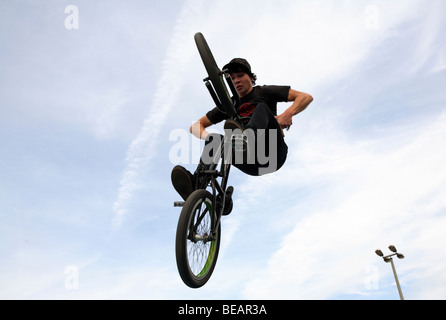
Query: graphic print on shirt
[{"x": 246, "y": 110}]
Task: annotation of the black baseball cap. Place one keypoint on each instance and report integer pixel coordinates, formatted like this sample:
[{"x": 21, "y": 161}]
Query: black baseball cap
[{"x": 239, "y": 64}]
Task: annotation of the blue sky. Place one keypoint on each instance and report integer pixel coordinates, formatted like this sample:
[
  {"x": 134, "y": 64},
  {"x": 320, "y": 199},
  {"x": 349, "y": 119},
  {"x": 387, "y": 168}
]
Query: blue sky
[{"x": 88, "y": 118}]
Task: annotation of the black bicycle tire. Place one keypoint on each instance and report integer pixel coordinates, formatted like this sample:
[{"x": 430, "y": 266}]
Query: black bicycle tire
[
  {"x": 214, "y": 74},
  {"x": 188, "y": 277}
]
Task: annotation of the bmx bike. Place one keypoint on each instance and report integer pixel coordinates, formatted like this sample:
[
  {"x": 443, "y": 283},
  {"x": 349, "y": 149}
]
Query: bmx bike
[{"x": 198, "y": 232}]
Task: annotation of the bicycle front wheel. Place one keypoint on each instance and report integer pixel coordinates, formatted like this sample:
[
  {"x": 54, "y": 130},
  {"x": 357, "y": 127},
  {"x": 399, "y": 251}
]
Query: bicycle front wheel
[
  {"x": 196, "y": 246},
  {"x": 215, "y": 75}
]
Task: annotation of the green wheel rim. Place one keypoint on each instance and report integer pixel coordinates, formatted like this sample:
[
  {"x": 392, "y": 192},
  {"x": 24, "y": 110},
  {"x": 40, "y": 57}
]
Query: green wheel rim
[{"x": 212, "y": 247}]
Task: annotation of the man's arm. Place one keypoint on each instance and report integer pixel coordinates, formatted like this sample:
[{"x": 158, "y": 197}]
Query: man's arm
[
  {"x": 198, "y": 129},
  {"x": 300, "y": 100}
]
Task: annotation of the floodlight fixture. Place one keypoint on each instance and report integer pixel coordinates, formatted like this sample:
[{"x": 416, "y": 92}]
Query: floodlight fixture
[
  {"x": 379, "y": 253},
  {"x": 392, "y": 248}
]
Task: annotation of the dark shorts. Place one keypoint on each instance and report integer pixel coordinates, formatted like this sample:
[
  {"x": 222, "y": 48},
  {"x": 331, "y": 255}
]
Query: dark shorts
[{"x": 266, "y": 149}]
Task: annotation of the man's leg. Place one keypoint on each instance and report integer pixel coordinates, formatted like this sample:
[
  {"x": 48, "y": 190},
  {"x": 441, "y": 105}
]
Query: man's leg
[
  {"x": 185, "y": 182},
  {"x": 271, "y": 149}
]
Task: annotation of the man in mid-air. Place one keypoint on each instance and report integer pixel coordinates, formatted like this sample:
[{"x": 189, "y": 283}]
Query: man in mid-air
[{"x": 258, "y": 111}]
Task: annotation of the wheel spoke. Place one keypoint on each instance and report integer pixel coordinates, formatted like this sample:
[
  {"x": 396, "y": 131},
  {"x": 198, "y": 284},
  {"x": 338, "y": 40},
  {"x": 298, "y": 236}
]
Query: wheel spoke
[{"x": 199, "y": 249}]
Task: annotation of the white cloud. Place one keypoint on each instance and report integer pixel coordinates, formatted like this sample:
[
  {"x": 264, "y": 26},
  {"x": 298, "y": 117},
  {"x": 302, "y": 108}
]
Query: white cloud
[
  {"x": 379, "y": 198},
  {"x": 355, "y": 187},
  {"x": 304, "y": 43},
  {"x": 362, "y": 172},
  {"x": 346, "y": 187},
  {"x": 429, "y": 46},
  {"x": 298, "y": 36},
  {"x": 143, "y": 148}
]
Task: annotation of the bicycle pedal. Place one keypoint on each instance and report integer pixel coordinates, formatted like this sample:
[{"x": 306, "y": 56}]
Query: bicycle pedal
[
  {"x": 229, "y": 191},
  {"x": 178, "y": 203},
  {"x": 228, "y": 201}
]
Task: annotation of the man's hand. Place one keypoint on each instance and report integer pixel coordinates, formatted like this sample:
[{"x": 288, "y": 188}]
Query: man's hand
[
  {"x": 301, "y": 101},
  {"x": 198, "y": 129},
  {"x": 285, "y": 121}
]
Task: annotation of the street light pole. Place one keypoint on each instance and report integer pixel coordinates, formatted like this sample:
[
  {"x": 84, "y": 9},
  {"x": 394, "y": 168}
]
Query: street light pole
[
  {"x": 396, "y": 279},
  {"x": 389, "y": 258}
]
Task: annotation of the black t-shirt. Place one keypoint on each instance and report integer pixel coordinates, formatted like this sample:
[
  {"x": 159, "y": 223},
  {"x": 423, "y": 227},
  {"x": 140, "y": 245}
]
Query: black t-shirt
[{"x": 266, "y": 94}]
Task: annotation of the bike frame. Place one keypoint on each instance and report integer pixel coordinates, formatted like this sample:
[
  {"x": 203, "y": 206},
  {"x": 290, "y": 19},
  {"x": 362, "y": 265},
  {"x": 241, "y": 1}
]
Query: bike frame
[{"x": 219, "y": 189}]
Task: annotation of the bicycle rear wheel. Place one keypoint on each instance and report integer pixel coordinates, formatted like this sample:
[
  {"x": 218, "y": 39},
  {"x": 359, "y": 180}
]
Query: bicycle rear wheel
[
  {"x": 215, "y": 75},
  {"x": 195, "y": 246}
]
